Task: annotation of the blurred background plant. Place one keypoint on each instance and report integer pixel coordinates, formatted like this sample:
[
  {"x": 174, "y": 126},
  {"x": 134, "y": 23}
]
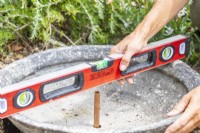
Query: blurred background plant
[{"x": 77, "y": 22}]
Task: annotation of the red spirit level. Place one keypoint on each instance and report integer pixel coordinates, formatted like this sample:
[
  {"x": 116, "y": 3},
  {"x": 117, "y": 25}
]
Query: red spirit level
[{"x": 40, "y": 90}]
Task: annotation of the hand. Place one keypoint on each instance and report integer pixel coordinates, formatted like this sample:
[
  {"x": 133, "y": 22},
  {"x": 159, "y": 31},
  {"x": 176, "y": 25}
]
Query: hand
[
  {"x": 190, "y": 119},
  {"x": 130, "y": 45}
]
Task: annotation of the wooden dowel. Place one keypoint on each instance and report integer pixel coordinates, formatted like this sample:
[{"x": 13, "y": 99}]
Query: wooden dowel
[{"x": 97, "y": 109}]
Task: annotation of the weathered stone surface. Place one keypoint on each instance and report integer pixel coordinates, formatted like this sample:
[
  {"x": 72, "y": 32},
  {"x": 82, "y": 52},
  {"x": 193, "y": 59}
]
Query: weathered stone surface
[
  {"x": 19, "y": 70},
  {"x": 132, "y": 108}
]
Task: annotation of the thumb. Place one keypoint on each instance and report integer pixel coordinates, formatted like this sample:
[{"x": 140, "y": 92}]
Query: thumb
[
  {"x": 180, "y": 107},
  {"x": 126, "y": 59}
]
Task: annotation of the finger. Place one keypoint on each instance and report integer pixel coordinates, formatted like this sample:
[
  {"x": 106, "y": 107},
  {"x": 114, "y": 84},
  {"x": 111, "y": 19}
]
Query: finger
[
  {"x": 120, "y": 47},
  {"x": 129, "y": 80},
  {"x": 126, "y": 40},
  {"x": 115, "y": 49},
  {"x": 121, "y": 82},
  {"x": 126, "y": 58},
  {"x": 192, "y": 124},
  {"x": 182, "y": 120},
  {"x": 190, "y": 128},
  {"x": 180, "y": 107}
]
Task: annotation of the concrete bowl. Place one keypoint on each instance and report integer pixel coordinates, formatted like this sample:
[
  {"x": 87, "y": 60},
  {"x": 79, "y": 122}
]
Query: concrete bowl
[{"x": 140, "y": 107}]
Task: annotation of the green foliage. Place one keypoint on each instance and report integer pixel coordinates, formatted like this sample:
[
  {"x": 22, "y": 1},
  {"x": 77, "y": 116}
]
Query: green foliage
[
  {"x": 88, "y": 21},
  {"x": 194, "y": 57},
  {"x": 79, "y": 21},
  {"x": 76, "y": 22},
  {"x": 181, "y": 24},
  {"x": 5, "y": 36}
]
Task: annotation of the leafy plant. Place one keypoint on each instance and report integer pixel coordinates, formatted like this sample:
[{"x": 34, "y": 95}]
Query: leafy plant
[
  {"x": 91, "y": 21},
  {"x": 76, "y": 22}
]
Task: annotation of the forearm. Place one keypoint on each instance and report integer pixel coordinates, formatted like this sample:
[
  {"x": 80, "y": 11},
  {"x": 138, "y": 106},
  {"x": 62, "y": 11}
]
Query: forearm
[{"x": 160, "y": 14}]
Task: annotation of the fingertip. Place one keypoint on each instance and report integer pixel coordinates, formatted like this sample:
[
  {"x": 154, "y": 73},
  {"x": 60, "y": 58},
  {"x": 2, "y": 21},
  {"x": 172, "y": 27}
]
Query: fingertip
[
  {"x": 166, "y": 116},
  {"x": 110, "y": 83},
  {"x": 115, "y": 49},
  {"x": 167, "y": 131},
  {"x": 125, "y": 60},
  {"x": 130, "y": 80},
  {"x": 123, "y": 67},
  {"x": 121, "y": 82},
  {"x": 172, "y": 113}
]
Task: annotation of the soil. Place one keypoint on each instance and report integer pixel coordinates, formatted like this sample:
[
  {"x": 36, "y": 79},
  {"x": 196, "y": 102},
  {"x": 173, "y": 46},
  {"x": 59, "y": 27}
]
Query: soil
[
  {"x": 17, "y": 51},
  {"x": 7, "y": 127}
]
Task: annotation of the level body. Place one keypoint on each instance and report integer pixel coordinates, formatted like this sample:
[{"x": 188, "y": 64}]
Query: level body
[{"x": 40, "y": 90}]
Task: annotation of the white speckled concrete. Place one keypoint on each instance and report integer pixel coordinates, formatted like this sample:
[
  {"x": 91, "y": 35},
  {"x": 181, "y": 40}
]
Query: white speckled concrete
[{"x": 132, "y": 108}]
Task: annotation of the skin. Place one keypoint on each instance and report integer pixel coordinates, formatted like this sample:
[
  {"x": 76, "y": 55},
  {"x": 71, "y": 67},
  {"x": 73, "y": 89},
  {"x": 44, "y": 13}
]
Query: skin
[
  {"x": 190, "y": 119},
  {"x": 160, "y": 14}
]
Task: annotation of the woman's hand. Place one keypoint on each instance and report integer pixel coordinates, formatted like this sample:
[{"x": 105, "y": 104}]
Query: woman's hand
[
  {"x": 130, "y": 45},
  {"x": 190, "y": 119}
]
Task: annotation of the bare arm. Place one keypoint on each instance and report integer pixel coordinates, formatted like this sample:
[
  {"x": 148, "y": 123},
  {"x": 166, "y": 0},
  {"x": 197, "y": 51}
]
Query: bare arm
[{"x": 160, "y": 14}]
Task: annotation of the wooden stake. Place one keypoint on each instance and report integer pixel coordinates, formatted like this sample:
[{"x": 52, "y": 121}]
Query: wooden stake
[{"x": 97, "y": 109}]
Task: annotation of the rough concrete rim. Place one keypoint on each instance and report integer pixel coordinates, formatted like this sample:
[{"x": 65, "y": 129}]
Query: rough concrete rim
[{"x": 177, "y": 70}]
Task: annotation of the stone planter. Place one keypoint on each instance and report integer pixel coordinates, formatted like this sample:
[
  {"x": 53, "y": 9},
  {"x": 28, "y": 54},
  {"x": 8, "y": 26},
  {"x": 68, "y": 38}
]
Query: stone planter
[{"x": 132, "y": 108}]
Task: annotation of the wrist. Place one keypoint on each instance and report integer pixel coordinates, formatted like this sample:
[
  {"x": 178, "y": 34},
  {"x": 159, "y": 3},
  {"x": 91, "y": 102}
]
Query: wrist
[{"x": 142, "y": 31}]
